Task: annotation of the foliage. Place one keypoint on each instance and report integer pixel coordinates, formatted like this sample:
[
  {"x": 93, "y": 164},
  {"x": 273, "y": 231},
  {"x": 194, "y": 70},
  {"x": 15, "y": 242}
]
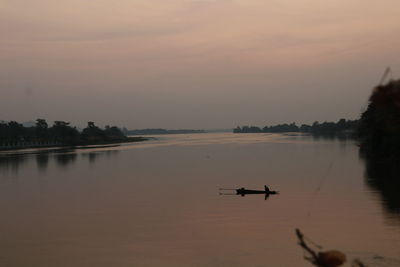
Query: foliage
[
  {"x": 326, "y": 128},
  {"x": 60, "y": 132},
  {"x": 379, "y": 130}
]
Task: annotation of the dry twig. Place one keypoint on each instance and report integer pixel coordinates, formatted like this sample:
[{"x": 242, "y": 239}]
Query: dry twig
[{"x": 331, "y": 258}]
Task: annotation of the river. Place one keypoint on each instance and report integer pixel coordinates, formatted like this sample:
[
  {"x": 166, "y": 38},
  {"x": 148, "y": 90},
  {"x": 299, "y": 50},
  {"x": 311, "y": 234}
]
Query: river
[{"x": 157, "y": 203}]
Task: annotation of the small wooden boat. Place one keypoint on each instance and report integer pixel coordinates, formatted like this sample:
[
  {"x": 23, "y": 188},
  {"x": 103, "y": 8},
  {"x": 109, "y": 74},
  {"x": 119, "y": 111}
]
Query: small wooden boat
[{"x": 243, "y": 191}]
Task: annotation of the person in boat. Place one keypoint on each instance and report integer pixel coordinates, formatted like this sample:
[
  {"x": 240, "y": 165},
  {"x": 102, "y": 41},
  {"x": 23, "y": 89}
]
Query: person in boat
[{"x": 267, "y": 191}]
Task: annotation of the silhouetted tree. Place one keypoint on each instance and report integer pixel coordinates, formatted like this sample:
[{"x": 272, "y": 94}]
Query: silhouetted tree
[
  {"x": 237, "y": 130},
  {"x": 92, "y": 133},
  {"x": 327, "y": 128},
  {"x": 62, "y": 132},
  {"x": 304, "y": 128},
  {"x": 379, "y": 128},
  {"x": 13, "y": 133},
  {"x": 113, "y": 132},
  {"x": 42, "y": 129}
]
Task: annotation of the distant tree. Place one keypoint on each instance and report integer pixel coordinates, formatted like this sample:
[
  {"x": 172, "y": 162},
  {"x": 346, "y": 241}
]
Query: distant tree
[
  {"x": 341, "y": 124},
  {"x": 113, "y": 133},
  {"x": 15, "y": 131},
  {"x": 281, "y": 128},
  {"x": 93, "y": 133},
  {"x": 62, "y": 132},
  {"x": 304, "y": 128},
  {"x": 325, "y": 128},
  {"x": 41, "y": 129},
  {"x": 41, "y": 123},
  {"x": 254, "y": 129},
  {"x": 90, "y": 124},
  {"x": 237, "y": 130}
]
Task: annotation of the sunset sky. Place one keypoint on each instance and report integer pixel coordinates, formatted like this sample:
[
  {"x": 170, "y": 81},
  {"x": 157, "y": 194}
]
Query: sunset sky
[{"x": 193, "y": 63}]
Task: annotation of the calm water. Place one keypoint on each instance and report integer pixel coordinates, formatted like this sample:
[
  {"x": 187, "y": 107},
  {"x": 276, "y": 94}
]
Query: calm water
[{"x": 157, "y": 203}]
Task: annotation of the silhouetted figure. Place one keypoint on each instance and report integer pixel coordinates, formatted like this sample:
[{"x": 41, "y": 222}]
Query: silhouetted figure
[{"x": 267, "y": 191}]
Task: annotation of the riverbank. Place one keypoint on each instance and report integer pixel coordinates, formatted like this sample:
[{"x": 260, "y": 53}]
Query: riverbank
[{"x": 28, "y": 145}]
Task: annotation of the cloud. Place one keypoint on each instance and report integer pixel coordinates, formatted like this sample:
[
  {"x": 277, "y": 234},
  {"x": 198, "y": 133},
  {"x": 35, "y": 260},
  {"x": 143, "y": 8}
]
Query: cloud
[{"x": 122, "y": 32}]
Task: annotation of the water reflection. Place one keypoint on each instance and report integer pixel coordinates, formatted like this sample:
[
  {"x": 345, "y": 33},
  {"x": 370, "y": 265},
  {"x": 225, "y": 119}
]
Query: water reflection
[
  {"x": 332, "y": 137},
  {"x": 11, "y": 163},
  {"x": 155, "y": 204},
  {"x": 92, "y": 157},
  {"x": 42, "y": 161},
  {"x": 63, "y": 158},
  {"x": 382, "y": 175}
]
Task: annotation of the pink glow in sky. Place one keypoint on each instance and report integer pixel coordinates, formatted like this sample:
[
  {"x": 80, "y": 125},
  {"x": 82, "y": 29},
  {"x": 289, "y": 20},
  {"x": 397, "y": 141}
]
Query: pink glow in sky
[{"x": 193, "y": 64}]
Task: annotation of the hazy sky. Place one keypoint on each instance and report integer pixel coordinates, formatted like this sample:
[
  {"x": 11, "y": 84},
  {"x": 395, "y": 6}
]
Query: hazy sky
[{"x": 193, "y": 63}]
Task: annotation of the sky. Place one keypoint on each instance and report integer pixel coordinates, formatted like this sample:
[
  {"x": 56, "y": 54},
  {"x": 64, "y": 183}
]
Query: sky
[{"x": 199, "y": 64}]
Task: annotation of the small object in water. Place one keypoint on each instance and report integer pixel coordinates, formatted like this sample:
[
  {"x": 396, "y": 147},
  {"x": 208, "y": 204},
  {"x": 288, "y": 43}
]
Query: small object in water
[
  {"x": 243, "y": 191},
  {"x": 331, "y": 258}
]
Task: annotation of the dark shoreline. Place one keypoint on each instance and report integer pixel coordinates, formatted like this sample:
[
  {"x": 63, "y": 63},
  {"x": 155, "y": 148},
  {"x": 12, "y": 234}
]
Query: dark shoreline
[{"x": 88, "y": 145}]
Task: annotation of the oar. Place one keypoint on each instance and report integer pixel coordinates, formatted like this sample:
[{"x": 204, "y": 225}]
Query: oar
[{"x": 227, "y": 189}]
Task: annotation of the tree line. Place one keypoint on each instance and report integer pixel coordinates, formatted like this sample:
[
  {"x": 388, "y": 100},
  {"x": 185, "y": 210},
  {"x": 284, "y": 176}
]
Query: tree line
[
  {"x": 60, "y": 132},
  {"x": 342, "y": 126}
]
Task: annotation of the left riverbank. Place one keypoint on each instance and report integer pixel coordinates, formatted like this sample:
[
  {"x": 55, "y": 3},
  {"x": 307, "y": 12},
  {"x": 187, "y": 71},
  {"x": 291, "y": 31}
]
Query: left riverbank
[
  {"x": 14, "y": 135},
  {"x": 44, "y": 144}
]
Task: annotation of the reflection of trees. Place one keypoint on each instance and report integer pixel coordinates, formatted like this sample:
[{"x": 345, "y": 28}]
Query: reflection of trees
[
  {"x": 111, "y": 153},
  {"x": 93, "y": 156},
  {"x": 64, "y": 160},
  {"x": 62, "y": 157},
  {"x": 382, "y": 174},
  {"x": 42, "y": 161},
  {"x": 11, "y": 163},
  {"x": 331, "y": 137}
]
